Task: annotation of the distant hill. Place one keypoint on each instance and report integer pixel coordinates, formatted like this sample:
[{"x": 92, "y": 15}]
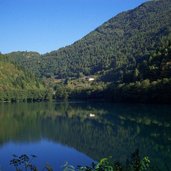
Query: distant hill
[
  {"x": 25, "y": 59},
  {"x": 24, "y": 54},
  {"x": 16, "y": 84}
]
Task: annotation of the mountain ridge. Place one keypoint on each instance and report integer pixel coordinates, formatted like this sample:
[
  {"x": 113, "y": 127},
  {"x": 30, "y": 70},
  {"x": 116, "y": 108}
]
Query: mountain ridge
[
  {"x": 130, "y": 54},
  {"x": 111, "y": 45}
]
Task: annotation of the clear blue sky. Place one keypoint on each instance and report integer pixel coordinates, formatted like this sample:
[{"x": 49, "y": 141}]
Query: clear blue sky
[{"x": 45, "y": 25}]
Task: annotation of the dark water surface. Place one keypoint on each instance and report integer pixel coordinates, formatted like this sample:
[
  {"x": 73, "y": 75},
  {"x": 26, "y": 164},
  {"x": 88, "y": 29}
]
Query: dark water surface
[{"x": 60, "y": 132}]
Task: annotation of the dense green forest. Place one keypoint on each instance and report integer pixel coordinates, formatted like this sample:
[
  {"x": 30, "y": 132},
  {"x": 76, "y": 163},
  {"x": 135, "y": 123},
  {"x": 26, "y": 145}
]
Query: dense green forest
[
  {"x": 149, "y": 81},
  {"x": 129, "y": 56},
  {"x": 126, "y": 39},
  {"x": 19, "y": 85}
]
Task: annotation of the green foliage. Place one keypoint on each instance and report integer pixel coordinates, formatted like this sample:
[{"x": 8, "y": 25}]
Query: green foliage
[
  {"x": 107, "y": 164},
  {"x": 24, "y": 162},
  {"x": 145, "y": 164},
  {"x": 21, "y": 58},
  {"x": 18, "y": 85},
  {"x": 61, "y": 92}
]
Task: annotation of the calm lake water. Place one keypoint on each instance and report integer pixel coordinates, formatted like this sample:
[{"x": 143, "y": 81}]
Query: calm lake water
[{"x": 64, "y": 132}]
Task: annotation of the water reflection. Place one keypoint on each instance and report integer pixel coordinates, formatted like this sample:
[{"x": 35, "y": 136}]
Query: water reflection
[{"x": 96, "y": 129}]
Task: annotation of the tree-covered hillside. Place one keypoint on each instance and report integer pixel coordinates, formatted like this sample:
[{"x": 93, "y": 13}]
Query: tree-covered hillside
[
  {"x": 123, "y": 41},
  {"x": 129, "y": 58},
  {"x": 25, "y": 59},
  {"x": 149, "y": 81},
  {"x": 126, "y": 39},
  {"x": 16, "y": 84}
]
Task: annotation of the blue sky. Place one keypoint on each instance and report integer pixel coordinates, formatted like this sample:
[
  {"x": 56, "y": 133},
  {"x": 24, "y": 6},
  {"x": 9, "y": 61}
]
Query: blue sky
[{"x": 46, "y": 25}]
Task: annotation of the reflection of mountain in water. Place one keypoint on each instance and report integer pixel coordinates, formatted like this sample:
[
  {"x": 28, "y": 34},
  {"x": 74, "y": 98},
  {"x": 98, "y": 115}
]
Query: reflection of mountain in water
[{"x": 115, "y": 130}]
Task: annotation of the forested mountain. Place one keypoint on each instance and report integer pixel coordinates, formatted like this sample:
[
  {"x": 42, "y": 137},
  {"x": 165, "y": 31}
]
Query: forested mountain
[
  {"x": 129, "y": 57},
  {"x": 16, "y": 84},
  {"x": 25, "y": 59},
  {"x": 123, "y": 41}
]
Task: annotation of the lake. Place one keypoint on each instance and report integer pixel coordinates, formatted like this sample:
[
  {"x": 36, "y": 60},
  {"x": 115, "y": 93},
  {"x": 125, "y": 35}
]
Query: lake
[{"x": 82, "y": 132}]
